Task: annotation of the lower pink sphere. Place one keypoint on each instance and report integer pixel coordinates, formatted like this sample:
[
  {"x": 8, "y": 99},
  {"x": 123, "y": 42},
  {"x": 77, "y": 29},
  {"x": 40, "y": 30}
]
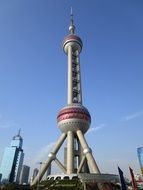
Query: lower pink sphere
[{"x": 74, "y": 117}]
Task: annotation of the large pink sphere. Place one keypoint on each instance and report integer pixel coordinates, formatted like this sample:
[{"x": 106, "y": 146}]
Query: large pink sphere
[{"x": 74, "y": 117}]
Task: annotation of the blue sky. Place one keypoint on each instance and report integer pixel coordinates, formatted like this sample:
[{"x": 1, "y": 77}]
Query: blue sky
[{"x": 33, "y": 76}]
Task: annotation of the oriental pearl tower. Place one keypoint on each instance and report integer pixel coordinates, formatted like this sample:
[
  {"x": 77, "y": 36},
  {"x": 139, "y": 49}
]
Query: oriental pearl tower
[{"x": 74, "y": 119}]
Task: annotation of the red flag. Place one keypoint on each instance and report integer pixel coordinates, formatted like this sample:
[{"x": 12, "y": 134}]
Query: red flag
[{"x": 134, "y": 184}]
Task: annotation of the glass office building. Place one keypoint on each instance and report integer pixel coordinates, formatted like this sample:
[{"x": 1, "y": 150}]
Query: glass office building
[
  {"x": 140, "y": 157},
  {"x": 0, "y": 178},
  {"x": 12, "y": 161},
  {"x": 24, "y": 176}
]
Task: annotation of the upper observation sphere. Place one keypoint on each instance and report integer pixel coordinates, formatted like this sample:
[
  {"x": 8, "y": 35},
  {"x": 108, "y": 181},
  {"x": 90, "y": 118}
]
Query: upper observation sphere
[{"x": 74, "y": 41}]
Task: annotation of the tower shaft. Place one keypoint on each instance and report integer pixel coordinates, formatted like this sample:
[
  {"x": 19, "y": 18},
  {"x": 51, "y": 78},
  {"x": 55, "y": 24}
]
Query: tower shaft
[
  {"x": 74, "y": 78},
  {"x": 70, "y": 93},
  {"x": 87, "y": 152}
]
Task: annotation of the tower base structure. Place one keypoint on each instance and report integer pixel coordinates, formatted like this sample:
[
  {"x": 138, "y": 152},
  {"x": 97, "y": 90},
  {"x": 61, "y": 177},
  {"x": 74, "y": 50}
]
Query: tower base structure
[
  {"x": 86, "y": 177},
  {"x": 82, "y": 181}
]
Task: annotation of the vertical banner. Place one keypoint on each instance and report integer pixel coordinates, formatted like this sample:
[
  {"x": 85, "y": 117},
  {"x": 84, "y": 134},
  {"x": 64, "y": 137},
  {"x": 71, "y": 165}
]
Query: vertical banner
[
  {"x": 134, "y": 184},
  {"x": 122, "y": 179}
]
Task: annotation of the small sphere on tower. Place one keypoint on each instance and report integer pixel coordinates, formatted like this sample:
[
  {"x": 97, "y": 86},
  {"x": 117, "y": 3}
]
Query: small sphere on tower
[{"x": 73, "y": 118}]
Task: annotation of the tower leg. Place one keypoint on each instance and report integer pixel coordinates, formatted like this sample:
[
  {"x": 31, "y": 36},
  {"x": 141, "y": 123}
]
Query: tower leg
[
  {"x": 81, "y": 164},
  {"x": 52, "y": 156},
  {"x": 84, "y": 168},
  {"x": 60, "y": 165},
  {"x": 70, "y": 152},
  {"x": 87, "y": 152}
]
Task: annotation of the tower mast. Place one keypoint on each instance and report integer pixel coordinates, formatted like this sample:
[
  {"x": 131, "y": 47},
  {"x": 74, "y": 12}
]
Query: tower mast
[{"x": 72, "y": 46}]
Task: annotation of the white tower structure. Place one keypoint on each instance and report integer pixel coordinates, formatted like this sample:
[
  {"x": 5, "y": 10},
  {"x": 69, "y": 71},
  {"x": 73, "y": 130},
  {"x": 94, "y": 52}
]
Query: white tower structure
[{"x": 74, "y": 119}]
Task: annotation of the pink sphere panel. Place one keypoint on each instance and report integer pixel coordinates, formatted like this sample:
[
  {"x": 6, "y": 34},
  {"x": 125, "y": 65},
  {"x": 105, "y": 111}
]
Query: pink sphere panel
[{"x": 71, "y": 113}]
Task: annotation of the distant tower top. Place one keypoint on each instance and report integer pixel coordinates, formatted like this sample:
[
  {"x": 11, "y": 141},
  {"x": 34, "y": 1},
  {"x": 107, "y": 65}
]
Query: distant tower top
[
  {"x": 71, "y": 27},
  {"x": 19, "y": 132},
  {"x": 18, "y": 136},
  {"x": 17, "y": 140}
]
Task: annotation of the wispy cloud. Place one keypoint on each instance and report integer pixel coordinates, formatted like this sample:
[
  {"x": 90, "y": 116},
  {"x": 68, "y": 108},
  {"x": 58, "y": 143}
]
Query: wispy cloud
[
  {"x": 6, "y": 125},
  {"x": 132, "y": 116},
  {"x": 0, "y": 116},
  {"x": 42, "y": 154},
  {"x": 94, "y": 129}
]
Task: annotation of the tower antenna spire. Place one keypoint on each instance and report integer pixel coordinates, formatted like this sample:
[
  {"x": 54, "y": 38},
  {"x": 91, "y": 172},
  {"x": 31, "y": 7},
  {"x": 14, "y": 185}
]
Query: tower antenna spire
[
  {"x": 19, "y": 132},
  {"x": 71, "y": 27},
  {"x": 71, "y": 15}
]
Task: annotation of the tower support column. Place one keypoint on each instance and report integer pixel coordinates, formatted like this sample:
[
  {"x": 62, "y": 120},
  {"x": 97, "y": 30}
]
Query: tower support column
[
  {"x": 87, "y": 152},
  {"x": 70, "y": 152},
  {"x": 70, "y": 95}
]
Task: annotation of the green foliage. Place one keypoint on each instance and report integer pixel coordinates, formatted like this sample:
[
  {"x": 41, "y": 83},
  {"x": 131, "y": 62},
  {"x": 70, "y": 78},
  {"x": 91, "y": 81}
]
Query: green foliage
[
  {"x": 61, "y": 185},
  {"x": 13, "y": 186}
]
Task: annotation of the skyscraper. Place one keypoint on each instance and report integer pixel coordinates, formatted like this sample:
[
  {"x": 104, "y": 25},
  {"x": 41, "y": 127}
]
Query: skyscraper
[
  {"x": 12, "y": 161},
  {"x": 0, "y": 178},
  {"x": 47, "y": 173},
  {"x": 140, "y": 157},
  {"x": 24, "y": 176}
]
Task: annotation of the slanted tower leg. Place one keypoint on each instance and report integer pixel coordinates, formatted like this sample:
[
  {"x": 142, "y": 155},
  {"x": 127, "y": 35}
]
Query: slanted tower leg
[
  {"x": 87, "y": 152},
  {"x": 84, "y": 168}
]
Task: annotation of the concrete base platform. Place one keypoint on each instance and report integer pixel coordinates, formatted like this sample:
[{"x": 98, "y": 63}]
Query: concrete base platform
[
  {"x": 82, "y": 181},
  {"x": 86, "y": 177}
]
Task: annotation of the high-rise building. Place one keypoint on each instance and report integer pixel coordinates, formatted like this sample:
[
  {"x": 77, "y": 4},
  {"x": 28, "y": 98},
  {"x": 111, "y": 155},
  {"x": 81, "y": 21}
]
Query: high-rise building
[
  {"x": 140, "y": 157},
  {"x": 0, "y": 178},
  {"x": 35, "y": 172},
  {"x": 47, "y": 173},
  {"x": 12, "y": 161},
  {"x": 24, "y": 176}
]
